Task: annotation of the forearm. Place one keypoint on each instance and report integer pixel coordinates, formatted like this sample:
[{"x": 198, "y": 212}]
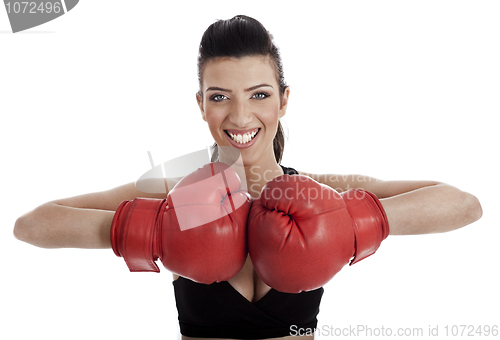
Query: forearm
[
  {"x": 56, "y": 226},
  {"x": 434, "y": 209}
]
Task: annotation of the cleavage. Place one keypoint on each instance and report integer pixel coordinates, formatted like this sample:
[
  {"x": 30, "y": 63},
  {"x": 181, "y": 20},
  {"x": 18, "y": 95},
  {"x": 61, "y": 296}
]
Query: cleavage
[{"x": 248, "y": 283}]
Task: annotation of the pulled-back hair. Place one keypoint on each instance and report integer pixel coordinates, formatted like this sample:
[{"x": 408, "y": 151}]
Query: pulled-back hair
[{"x": 239, "y": 37}]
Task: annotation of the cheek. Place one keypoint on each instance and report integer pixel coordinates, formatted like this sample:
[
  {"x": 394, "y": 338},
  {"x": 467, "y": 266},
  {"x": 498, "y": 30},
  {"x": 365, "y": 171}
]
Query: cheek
[
  {"x": 214, "y": 118},
  {"x": 270, "y": 115}
]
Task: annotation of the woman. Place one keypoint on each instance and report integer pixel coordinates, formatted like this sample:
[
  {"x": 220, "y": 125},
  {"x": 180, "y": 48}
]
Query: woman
[{"x": 242, "y": 97}]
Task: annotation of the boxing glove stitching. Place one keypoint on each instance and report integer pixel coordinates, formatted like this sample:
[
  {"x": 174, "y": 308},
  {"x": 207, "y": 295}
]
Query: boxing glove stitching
[
  {"x": 370, "y": 244},
  {"x": 125, "y": 234},
  {"x": 228, "y": 192},
  {"x": 157, "y": 232},
  {"x": 117, "y": 236}
]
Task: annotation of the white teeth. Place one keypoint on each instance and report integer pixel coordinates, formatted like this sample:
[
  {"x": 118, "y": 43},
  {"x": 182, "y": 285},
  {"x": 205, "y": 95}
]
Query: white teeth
[{"x": 243, "y": 139}]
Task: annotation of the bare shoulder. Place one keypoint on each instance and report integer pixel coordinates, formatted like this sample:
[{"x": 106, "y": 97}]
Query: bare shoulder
[{"x": 111, "y": 199}]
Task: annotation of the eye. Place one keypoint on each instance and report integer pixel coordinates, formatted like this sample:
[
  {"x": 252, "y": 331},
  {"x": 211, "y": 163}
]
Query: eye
[
  {"x": 260, "y": 95},
  {"x": 217, "y": 98}
]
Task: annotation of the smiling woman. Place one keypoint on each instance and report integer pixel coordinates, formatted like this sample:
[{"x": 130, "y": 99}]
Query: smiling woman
[
  {"x": 267, "y": 282},
  {"x": 242, "y": 103},
  {"x": 231, "y": 41}
]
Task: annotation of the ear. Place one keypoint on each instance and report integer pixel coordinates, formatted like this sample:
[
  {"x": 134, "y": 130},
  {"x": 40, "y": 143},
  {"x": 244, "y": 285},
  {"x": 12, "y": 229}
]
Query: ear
[
  {"x": 199, "y": 100},
  {"x": 284, "y": 102}
]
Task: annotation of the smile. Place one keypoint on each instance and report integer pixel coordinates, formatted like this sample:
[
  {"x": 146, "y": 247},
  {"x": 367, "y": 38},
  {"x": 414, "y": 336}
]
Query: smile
[{"x": 242, "y": 138}]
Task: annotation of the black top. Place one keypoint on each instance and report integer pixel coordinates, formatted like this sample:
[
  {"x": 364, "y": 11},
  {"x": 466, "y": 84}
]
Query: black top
[{"x": 218, "y": 310}]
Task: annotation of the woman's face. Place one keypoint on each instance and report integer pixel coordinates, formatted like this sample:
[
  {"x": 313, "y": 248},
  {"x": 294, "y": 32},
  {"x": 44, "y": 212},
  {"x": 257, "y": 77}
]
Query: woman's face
[{"x": 242, "y": 105}]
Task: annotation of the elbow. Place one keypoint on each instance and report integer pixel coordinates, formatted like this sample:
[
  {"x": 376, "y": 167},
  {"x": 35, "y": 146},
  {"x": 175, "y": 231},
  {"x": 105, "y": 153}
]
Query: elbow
[
  {"x": 469, "y": 209},
  {"x": 473, "y": 208},
  {"x": 28, "y": 229},
  {"x": 22, "y": 230}
]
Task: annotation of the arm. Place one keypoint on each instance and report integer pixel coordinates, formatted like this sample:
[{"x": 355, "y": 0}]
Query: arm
[
  {"x": 381, "y": 189},
  {"x": 76, "y": 222},
  {"x": 434, "y": 209},
  {"x": 413, "y": 207}
]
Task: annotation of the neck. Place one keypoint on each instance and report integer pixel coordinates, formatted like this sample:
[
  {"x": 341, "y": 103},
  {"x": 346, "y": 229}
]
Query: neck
[{"x": 254, "y": 173}]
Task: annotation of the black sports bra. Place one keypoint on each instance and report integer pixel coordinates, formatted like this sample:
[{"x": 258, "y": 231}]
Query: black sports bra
[{"x": 220, "y": 311}]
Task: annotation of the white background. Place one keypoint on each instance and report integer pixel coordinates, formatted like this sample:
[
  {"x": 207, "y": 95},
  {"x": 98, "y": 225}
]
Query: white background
[{"x": 390, "y": 89}]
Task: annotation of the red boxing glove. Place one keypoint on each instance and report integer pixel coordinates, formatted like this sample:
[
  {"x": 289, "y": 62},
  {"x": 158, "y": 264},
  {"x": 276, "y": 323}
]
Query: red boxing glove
[
  {"x": 301, "y": 233},
  {"x": 198, "y": 231},
  {"x": 369, "y": 221}
]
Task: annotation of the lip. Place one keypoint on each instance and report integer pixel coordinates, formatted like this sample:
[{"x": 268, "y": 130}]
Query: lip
[
  {"x": 241, "y": 132},
  {"x": 238, "y": 145}
]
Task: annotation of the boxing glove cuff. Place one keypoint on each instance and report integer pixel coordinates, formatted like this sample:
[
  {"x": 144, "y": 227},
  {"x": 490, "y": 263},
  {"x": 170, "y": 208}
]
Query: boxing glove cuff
[
  {"x": 369, "y": 222},
  {"x": 135, "y": 233}
]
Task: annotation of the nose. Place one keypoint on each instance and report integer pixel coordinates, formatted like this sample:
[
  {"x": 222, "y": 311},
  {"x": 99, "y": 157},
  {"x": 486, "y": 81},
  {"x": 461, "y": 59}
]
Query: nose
[{"x": 240, "y": 115}]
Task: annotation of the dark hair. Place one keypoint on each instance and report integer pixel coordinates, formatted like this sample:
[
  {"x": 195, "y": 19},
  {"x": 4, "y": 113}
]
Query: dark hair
[{"x": 239, "y": 37}]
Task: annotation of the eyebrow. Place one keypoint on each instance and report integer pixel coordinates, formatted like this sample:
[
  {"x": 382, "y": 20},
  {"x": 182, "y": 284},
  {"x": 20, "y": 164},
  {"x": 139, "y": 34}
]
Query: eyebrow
[{"x": 215, "y": 88}]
